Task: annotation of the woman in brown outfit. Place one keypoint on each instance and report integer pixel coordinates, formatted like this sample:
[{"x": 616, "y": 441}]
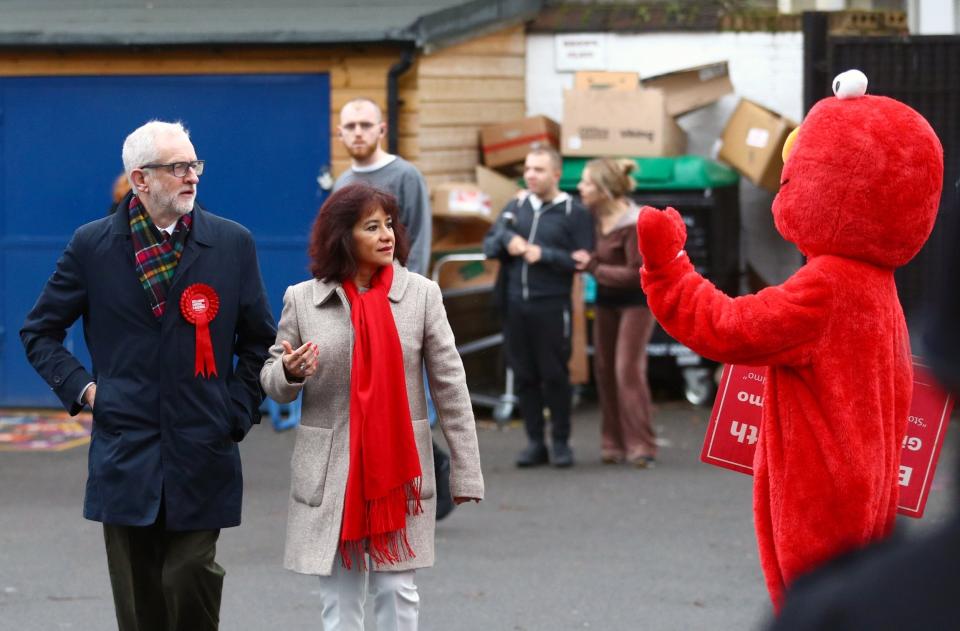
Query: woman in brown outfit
[{"x": 623, "y": 323}]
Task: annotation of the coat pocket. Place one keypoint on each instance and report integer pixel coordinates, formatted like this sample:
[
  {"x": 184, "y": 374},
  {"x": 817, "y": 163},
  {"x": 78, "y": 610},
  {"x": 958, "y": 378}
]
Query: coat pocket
[
  {"x": 308, "y": 466},
  {"x": 424, "y": 438}
]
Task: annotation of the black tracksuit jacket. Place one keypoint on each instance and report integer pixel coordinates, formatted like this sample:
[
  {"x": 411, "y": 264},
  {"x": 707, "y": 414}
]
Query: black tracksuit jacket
[{"x": 559, "y": 227}]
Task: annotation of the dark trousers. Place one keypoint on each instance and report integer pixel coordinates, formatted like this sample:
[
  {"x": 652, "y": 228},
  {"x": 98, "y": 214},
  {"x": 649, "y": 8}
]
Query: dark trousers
[
  {"x": 164, "y": 580},
  {"x": 537, "y": 340}
]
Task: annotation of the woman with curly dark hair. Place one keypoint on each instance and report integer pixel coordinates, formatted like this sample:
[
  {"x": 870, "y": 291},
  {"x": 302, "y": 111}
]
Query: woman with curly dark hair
[{"x": 354, "y": 339}]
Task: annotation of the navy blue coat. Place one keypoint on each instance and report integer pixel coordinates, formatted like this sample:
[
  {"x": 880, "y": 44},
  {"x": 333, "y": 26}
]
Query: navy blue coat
[{"x": 158, "y": 430}]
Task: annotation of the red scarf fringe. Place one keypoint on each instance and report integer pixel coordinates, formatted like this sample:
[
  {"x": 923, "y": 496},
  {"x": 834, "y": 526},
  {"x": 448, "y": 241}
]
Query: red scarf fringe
[{"x": 384, "y": 546}]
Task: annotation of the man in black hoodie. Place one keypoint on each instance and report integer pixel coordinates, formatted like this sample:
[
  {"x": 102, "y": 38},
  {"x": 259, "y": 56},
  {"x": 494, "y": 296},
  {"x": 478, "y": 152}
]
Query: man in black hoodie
[{"x": 533, "y": 238}]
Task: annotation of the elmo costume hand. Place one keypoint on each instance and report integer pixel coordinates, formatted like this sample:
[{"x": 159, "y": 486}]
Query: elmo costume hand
[{"x": 660, "y": 235}]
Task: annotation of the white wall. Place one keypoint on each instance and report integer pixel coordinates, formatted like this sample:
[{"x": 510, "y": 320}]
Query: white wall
[
  {"x": 764, "y": 67},
  {"x": 934, "y": 17}
]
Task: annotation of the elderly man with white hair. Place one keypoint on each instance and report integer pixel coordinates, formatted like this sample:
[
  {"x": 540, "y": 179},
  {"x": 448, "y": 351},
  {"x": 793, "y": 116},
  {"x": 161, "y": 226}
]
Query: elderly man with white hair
[{"x": 169, "y": 294}]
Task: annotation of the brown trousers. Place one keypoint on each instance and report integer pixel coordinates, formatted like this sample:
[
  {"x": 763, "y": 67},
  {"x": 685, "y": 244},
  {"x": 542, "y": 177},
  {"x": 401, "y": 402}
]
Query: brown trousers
[{"x": 620, "y": 336}]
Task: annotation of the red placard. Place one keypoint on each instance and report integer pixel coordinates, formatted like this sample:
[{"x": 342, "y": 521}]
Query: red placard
[{"x": 734, "y": 428}]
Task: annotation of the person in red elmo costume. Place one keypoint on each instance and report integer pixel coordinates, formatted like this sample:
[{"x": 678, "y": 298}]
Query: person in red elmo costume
[{"x": 858, "y": 196}]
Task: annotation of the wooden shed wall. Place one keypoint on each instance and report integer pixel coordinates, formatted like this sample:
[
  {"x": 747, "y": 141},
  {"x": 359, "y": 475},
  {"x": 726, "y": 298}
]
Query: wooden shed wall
[{"x": 459, "y": 90}]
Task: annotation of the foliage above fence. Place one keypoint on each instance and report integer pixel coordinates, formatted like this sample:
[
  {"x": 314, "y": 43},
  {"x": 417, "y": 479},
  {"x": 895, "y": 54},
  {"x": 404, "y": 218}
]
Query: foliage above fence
[{"x": 711, "y": 15}]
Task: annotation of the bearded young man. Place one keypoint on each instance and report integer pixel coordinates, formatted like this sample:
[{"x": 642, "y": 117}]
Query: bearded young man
[
  {"x": 361, "y": 130},
  {"x": 169, "y": 293}
]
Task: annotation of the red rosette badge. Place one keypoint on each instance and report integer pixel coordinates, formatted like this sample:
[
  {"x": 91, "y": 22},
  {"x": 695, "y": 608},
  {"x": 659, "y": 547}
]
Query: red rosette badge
[{"x": 199, "y": 304}]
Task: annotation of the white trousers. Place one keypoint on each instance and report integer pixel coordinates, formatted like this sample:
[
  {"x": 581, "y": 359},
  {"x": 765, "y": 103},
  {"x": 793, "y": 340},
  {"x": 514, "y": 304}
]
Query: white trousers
[{"x": 396, "y": 603}]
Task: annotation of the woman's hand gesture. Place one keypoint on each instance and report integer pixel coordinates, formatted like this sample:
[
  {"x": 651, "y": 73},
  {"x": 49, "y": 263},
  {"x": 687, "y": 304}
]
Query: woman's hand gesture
[{"x": 301, "y": 363}]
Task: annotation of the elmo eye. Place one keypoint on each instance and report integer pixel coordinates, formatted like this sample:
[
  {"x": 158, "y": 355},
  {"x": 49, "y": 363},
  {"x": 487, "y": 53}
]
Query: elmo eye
[{"x": 850, "y": 84}]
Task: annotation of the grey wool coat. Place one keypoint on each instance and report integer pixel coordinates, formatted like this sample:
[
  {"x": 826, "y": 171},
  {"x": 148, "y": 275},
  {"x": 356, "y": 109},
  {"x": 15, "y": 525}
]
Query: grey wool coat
[{"x": 318, "y": 311}]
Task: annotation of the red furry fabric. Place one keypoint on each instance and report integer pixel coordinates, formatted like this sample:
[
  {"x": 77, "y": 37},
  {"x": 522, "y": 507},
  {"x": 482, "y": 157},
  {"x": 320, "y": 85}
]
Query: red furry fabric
[{"x": 859, "y": 197}]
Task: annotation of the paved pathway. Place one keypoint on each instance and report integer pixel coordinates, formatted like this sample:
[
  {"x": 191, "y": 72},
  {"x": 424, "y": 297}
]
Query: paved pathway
[{"x": 595, "y": 547}]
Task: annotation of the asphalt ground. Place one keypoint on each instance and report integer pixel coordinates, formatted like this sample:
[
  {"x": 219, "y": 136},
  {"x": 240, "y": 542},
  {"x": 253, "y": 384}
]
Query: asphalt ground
[{"x": 594, "y": 547}]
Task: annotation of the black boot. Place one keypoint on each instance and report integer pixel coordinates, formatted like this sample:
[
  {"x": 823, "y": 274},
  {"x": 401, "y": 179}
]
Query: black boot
[{"x": 533, "y": 455}]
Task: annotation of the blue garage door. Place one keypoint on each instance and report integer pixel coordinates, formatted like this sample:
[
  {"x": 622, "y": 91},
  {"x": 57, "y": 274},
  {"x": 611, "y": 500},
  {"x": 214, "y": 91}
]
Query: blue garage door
[{"x": 265, "y": 139}]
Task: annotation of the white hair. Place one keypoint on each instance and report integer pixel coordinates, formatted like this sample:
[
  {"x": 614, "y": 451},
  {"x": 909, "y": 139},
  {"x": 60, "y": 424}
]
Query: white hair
[{"x": 140, "y": 147}]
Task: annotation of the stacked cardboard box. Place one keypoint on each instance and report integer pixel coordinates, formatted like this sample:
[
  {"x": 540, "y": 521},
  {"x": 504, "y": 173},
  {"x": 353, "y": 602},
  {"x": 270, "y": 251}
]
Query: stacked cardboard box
[
  {"x": 625, "y": 81},
  {"x": 608, "y": 115},
  {"x": 615, "y": 114},
  {"x": 611, "y": 114},
  {"x": 507, "y": 144},
  {"x": 692, "y": 88},
  {"x": 619, "y": 123},
  {"x": 461, "y": 216},
  {"x": 464, "y": 211},
  {"x": 460, "y": 200},
  {"x": 499, "y": 188},
  {"x": 753, "y": 143}
]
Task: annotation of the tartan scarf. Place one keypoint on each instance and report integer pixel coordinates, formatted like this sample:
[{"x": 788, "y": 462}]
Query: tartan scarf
[
  {"x": 156, "y": 255},
  {"x": 384, "y": 478}
]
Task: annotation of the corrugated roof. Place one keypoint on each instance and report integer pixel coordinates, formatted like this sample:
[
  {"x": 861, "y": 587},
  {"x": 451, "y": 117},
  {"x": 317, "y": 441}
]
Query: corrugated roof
[{"x": 181, "y": 22}]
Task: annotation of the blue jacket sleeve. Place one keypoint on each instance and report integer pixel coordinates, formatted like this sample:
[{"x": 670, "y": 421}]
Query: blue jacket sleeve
[{"x": 62, "y": 301}]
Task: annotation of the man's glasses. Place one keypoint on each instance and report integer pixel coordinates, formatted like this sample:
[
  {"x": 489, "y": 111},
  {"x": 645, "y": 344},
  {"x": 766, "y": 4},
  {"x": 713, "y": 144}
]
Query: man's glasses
[{"x": 179, "y": 169}]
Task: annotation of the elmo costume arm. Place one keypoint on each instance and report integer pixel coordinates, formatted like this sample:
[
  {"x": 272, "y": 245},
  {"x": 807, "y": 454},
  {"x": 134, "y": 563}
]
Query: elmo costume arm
[{"x": 779, "y": 325}]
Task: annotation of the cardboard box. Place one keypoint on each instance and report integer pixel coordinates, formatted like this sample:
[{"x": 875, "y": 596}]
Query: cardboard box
[
  {"x": 461, "y": 234},
  {"x": 606, "y": 81},
  {"x": 460, "y": 200},
  {"x": 499, "y": 188},
  {"x": 467, "y": 274},
  {"x": 619, "y": 123},
  {"x": 753, "y": 142},
  {"x": 456, "y": 236},
  {"x": 508, "y": 143},
  {"x": 692, "y": 88}
]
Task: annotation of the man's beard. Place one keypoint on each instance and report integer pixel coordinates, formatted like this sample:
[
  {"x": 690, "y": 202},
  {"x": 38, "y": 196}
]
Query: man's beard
[
  {"x": 361, "y": 153},
  {"x": 172, "y": 202}
]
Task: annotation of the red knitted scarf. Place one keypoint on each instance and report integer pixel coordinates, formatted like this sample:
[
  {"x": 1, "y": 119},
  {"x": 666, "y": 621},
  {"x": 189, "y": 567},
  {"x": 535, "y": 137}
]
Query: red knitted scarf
[{"x": 383, "y": 484}]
